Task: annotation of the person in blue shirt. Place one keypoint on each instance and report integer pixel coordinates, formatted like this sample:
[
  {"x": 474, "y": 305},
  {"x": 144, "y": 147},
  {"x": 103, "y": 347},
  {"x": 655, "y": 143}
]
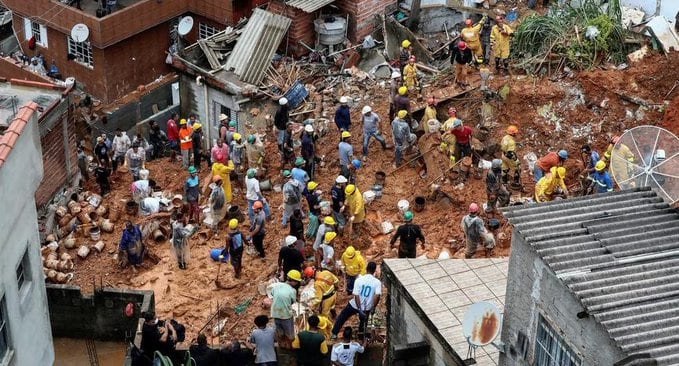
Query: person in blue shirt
[
  {"x": 131, "y": 245},
  {"x": 590, "y": 158},
  {"x": 602, "y": 180},
  {"x": 298, "y": 172},
  {"x": 343, "y": 115}
]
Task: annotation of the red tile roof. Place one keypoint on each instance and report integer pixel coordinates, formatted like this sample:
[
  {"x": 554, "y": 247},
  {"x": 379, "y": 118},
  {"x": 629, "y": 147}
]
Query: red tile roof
[{"x": 11, "y": 135}]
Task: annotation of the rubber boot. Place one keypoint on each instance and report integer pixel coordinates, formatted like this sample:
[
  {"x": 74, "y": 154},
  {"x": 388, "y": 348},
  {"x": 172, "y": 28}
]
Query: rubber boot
[
  {"x": 505, "y": 65},
  {"x": 505, "y": 176},
  {"x": 498, "y": 65}
]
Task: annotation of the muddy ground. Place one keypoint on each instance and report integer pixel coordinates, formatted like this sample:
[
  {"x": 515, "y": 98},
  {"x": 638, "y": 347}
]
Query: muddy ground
[{"x": 561, "y": 112}]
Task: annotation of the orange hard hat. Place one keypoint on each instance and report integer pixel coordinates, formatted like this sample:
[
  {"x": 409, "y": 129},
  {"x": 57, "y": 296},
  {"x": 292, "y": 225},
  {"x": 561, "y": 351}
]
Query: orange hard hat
[
  {"x": 468, "y": 22},
  {"x": 462, "y": 45},
  {"x": 309, "y": 272},
  {"x": 257, "y": 204},
  {"x": 512, "y": 130},
  {"x": 473, "y": 208}
]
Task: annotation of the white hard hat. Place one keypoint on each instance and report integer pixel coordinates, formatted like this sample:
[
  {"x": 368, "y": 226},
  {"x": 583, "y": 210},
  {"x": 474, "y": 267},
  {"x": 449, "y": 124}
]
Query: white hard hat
[
  {"x": 344, "y": 99},
  {"x": 222, "y": 117},
  {"x": 309, "y": 128},
  {"x": 289, "y": 240},
  {"x": 144, "y": 174},
  {"x": 340, "y": 179},
  {"x": 395, "y": 75},
  {"x": 283, "y": 101},
  {"x": 366, "y": 109}
]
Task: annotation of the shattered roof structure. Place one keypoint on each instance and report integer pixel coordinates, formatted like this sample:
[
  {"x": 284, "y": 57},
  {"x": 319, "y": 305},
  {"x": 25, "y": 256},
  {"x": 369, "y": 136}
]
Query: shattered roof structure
[
  {"x": 618, "y": 254},
  {"x": 308, "y": 6},
  {"x": 256, "y": 46}
]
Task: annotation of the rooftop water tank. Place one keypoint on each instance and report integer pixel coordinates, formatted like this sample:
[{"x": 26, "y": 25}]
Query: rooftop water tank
[{"x": 330, "y": 30}]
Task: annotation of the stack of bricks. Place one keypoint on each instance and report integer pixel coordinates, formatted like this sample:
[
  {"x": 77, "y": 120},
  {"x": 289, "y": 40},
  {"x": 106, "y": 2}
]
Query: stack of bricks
[
  {"x": 301, "y": 29},
  {"x": 362, "y": 15}
]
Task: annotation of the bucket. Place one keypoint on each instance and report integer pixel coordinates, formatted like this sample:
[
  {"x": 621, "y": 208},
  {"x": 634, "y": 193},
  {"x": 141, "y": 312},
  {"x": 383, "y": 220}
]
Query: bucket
[
  {"x": 177, "y": 200},
  {"x": 378, "y": 190},
  {"x": 380, "y": 178},
  {"x": 368, "y": 196},
  {"x": 214, "y": 254},
  {"x": 419, "y": 204},
  {"x": 95, "y": 233},
  {"x": 403, "y": 206},
  {"x": 493, "y": 224},
  {"x": 235, "y": 213},
  {"x": 265, "y": 185},
  {"x": 159, "y": 236},
  {"x": 131, "y": 207}
]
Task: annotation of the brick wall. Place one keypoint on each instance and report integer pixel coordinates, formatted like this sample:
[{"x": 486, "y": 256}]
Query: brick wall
[
  {"x": 9, "y": 69},
  {"x": 301, "y": 29},
  {"x": 361, "y": 15}
]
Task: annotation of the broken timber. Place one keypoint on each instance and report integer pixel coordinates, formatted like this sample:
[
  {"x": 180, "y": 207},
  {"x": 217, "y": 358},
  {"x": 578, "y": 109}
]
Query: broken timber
[{"x": 443, "y": 94}]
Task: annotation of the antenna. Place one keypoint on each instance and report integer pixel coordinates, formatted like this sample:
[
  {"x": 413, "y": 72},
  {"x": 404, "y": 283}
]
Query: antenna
[
  {"x": 185, "y": 26},
  {"x": 481, "y": 325},
  {"x": 647, "y": 156},
  {"x": 80, "y": 32}
]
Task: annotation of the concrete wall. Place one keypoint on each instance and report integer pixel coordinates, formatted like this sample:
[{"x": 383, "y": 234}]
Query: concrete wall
[
  {"x": 99, "y": 316},
  {"x": 26, "y": 309},
  {"x": 432, "y": 19},
  {"x": 533, "y": 290},
  {"x": 406, "y": 325}
]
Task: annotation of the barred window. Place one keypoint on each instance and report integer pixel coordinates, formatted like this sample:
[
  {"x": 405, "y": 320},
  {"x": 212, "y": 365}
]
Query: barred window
[
  {"x": 206, "y": 30},
  {"x": 82, "y": 52},
  {"x": 551, "y": 349}
]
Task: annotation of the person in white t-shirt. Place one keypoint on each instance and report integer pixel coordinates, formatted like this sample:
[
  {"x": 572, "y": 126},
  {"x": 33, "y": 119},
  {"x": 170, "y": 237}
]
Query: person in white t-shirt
[
  {"x": 366, "y": 296},
  {"x": 343, "y": 353}
]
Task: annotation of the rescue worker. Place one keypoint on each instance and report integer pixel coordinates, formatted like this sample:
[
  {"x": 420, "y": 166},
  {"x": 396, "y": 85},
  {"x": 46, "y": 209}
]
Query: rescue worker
[
  {"x": 401, "y": 101},
  {"x": 403, "y": 138},
  {"x": 343, "y": 115},
  {"x": 500, "y": 36},
  {"x": 355, "y": 205},
  {"x": 463, "y": 143},
  {"x": 254, "y": 194},
  {"x": 310, "y": 345},
  {"x": 254, "y": 151},
  {"x": 325, "y": 286},
  {"x": 280, "y": 121},
  {"x": 497, "y": 193},
  {"x": 326, "y": 252},
  {"x": 224, "y": 171},
  {"x": 452, "y": 117},
  {"x": 346, "y": 153},
  {"x": 551, "y": 185},
  {"x": 429, "y": 114},
  {"x": 547, "y": 162},
  {"x": 353, "y": 170},
  {"x": 471, "y": 34},
  {"x": 298, "y": 173},
  {"x": 292, "y": 196},
  {"x": 121, "y": 144},
  {"x": 371, "y": 128},
  {"x": 185, "y": 142},
  {"x": 234, "y": 244},
  {"x": 329, "y": 225},
  {"x": 404, "y": 55},
  {"x": 192, "y": 194},
  {"x": 197, "y": 144},
  {"x": 217, "y": 203},
  {"x": 135, "y": 160},
  {"x": 180, "y": 239},
  {"x": 354, "y": 265},
  {"x": 237, "y": 150},
  {"x": 284, "y": 295},
  {"x": 589, "y": 158},
  {"x": 394, "y": 86},
  {"x": 622, "y": 164},
  {"x": 609, "y": 150},
  {"x": 313, "y": 198},
  {"x": 289, "y": 257},
  {"x": 510, "y": 160},
  {"x": 461, "y": 56},
  {"x": 257, "y": 229},
  {"x": 410, "y": 75},
  {"x": 408, "y": 234},
  {"x": 220, "y": 149},
  {"x": 223, "y": 127},
  {"x": 230, "y": 132},
  {"x": 338, "y": 198},
  {"x": 308, "y": 150},
  {"x": 602, "y": 180},
  {"x": 475, "y": 232}
]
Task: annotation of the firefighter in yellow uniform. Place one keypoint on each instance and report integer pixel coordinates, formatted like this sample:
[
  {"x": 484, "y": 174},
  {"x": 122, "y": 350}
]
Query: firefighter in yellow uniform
[
  {"x": 224, "y": 171},
  {"x": 429, "y": 114},
  {"x": 510, "y": 161},
  {"x": 620, "y": 165},
  {"x": 500, "y": 36},
  {"x": 551, "y": 185},
  {"x": 471, "y": 34},
  {"x": 410, "y": 75},
  {"x": 325, "y": 287}
]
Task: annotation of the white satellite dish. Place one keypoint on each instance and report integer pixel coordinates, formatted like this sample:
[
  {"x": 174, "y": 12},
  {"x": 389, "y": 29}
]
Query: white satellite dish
[
  {"x": 481, "y": 324},
  {"x": 185, "y": 25},
  {"x": 647, "y": 156},
  {"x": 80, "y": 32}
]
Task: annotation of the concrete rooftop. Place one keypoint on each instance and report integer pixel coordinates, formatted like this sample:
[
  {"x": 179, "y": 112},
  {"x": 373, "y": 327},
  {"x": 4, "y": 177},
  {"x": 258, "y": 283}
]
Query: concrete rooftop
[
  {"x": 14, "y": 95},
  {"x": 444, "y": 290}
]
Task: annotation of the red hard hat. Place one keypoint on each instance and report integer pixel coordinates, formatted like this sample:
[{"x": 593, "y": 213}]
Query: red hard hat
[
  {"x": 309, "y": 272},
  {"x": 462, "y": 45},
  {"x": 468, "y": 22},
  {"x": 473, "y": 208},
  {"x": 257, "y": 204}
]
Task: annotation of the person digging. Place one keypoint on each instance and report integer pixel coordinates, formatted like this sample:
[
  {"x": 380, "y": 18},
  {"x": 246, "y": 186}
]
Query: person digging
[
  {"x": 475, "y": 232},
  {"x": 234, "y": 247}
]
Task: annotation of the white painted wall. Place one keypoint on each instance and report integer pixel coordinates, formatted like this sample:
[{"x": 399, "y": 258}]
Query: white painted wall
[{"x": 29, "y": 331}]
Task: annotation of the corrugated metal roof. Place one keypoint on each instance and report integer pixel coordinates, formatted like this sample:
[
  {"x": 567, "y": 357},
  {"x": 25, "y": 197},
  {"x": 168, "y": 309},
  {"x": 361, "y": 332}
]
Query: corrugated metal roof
[
  {"x": 308, "y": 6},
  {"x": 618, "y": 253},
  {"x": 257, "y": 44}
]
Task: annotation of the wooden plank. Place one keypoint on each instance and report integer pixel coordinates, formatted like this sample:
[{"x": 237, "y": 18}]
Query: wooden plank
[{"x": 445, "y": 93}]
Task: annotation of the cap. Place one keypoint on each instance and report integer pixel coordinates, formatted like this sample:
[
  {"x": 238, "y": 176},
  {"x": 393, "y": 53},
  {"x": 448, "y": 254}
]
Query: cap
[
  {"x": 299, "y": 161},
  {"x": 496, "y": 164},
  {"x": 309, "y": 128},
  {"x": 340, "y": 179},
  {"x": 222, "y": 117},
  {"x": 233, "y": 224},
  {"x": 405, "y": 43},
  {"x": 233, "y": 123},
  {"x": 286, "y": 173},
  {"x": 457, "y": 123},
  {"x": 346, "y": 134},
  {"x": 329, "y": 236},
  {"x": 295, "y": 275},
  {"x": 402, "y": 113},
  {"x": 252, "y": 139},
  {"x": 311, "y": 185},
  {"x": 328, "y": 220},
  {"x": 289, "y": 240},
  {"x": 366, "y": 109},
  {"x": 251, "y": 173},
  {"x": 350, "y": 252},
  {"x": 563, "y": 154},
  {"x": 512, "y": 130},
  {"x": 350, "y": 189},
  {"x": 283, "y": 101},
  {"x": 344, "y": 100},
  {"x": 182, "y": 121}
]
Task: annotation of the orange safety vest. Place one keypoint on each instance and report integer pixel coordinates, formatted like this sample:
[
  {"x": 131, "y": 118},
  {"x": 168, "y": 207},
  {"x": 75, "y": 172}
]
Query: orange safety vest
[{"x": 185, "y": 138}]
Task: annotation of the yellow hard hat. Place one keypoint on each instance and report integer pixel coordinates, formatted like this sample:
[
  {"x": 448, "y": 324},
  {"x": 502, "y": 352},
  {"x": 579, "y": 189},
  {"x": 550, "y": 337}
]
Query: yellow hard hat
[
  {"x": 561, "y": 172},
  {"x": 328, "y": 220},
  {"x": 403, "y": 90},
  {"x": 311, "y": 185},
  {"x": 329, "y": 236},
  {"x": 405, "y": 43},
  {"x": 295, "y": 275},
  {"x": 236, "y": 136},
  {"x": 350, "y": 189},
  {"x": 402, "y": 113},
  {"x": 350, "y": 252},
  {"x": 346, "y": 134},
  {"x": 600, "y": 166},
  {"x": 197, "y": 126},
  {"x": 233, "y": 223},
  {"x": 607, "y": 154},
  {"x": 182, "y": 121}
]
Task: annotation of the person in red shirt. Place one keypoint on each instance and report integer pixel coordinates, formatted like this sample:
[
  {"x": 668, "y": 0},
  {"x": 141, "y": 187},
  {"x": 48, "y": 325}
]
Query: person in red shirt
[
  {"x": 463, "y": 141},
  {"x": 545, "y": 163},
  {"x": 173, "y": 131}
]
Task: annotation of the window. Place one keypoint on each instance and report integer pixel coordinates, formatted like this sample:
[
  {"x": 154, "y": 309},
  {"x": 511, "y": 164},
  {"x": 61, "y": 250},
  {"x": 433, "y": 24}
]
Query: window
[
  {"x": 82, "y": 52},
  {"x": 37, "y": 30},
  {"x": 550, "y": 348},
  {"x": 4, "y": 338},
  {"x": 23, "y": 271},
  {"x": 206, "y": 30}
]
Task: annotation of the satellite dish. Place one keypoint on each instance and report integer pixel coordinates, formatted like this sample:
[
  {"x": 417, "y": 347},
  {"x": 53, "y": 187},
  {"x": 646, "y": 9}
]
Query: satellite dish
[
  {"x": 185, "y": 25},
  {"x": 80, "y": 32},
  {"x": 647, "y": 156},
  {"x": 481, "y": 323}
]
